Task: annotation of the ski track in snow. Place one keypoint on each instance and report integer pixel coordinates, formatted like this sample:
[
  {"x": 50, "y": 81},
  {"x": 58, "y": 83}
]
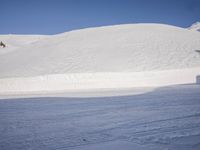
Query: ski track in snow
[{"x": 166, "y": 118}]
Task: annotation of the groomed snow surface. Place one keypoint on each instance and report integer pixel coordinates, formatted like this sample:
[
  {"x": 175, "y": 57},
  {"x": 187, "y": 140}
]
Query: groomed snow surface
[
  {"x": 120, "y": 87},
  {"x": 166, "y": 118}
]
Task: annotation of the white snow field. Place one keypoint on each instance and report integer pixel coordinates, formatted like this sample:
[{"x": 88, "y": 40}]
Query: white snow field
[
  {"x": 122, "y": 87},
  {"x": 120, "y": 56}
]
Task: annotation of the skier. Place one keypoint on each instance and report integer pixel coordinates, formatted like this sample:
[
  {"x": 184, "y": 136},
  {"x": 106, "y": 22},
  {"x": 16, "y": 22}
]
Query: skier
[{"x": 2, "y": 44}]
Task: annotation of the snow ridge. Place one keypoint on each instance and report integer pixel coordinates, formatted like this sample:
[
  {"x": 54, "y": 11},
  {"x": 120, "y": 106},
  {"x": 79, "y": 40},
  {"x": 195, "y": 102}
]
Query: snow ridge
[{"x": 195, "y": 27}]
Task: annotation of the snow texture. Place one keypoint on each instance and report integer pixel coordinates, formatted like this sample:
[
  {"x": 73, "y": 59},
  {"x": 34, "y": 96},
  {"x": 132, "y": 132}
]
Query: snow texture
[
  {"x": 120, "y": 48},
  {"x": 195, "y": 27},
  {"x": 121, "y": 56},
  {"x": 166, "y": 118},
  {"x": 72, "y": 89},
  {"x": 92, "y": 81}
]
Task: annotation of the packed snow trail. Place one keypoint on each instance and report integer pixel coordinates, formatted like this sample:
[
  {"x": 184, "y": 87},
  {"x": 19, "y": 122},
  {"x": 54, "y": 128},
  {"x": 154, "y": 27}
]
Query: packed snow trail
[{"x": 166, "y": 118}]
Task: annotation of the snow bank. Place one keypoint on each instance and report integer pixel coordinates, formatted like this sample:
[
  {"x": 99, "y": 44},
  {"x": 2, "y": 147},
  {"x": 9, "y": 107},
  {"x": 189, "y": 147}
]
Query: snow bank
[{"x": 91, "y": 81}]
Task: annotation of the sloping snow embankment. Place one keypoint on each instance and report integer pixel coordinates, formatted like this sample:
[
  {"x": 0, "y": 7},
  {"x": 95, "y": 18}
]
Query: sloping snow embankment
[
  {"x": 91, "y": 81},
  {"x": 120, "y": 48},
  {"x": 121, "y": 56},
  {"x": 195, "y": 27}
]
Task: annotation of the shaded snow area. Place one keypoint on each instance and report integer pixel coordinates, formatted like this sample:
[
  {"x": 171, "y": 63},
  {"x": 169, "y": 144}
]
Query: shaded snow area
[{"x": 166, "y": 118}]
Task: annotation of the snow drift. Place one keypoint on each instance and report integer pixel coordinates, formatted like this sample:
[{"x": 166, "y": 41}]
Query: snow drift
[{"x": 103, "y": 57}]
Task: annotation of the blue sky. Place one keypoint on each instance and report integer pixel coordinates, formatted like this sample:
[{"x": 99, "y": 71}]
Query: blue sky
[{"x": 56, "y": 16}]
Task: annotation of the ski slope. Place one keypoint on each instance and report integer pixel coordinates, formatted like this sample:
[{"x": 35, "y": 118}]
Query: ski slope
[
  {"x": 120, "y": 56},
  {"x": 14, "y": 42},
  {"x": 166, "y": 118},
  {"x": 101, "y": 88}
]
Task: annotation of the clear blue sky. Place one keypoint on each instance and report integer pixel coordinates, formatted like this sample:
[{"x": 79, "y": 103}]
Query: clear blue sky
[{"x": 55, "y": 16}]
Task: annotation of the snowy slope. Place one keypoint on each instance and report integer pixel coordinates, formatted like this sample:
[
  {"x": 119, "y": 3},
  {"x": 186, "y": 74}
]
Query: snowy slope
[
  {"x": 123, "y": 48},
  {"x": 14, "y": 42},
  {"x": 195, "y": 27},
  {"x": 95, "y": 56}
]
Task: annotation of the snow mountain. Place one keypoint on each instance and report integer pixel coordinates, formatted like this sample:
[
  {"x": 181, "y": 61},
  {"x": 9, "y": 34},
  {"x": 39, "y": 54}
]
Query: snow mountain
[{"x": 195, "y": 27}]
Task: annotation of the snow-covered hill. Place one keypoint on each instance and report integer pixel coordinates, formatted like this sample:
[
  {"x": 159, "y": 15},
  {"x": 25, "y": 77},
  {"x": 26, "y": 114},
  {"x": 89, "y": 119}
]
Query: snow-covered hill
[
  {"x": 195, "y": 27},
  {"x": 122, "y": 48},
  {"x": 112, "y": 56}
]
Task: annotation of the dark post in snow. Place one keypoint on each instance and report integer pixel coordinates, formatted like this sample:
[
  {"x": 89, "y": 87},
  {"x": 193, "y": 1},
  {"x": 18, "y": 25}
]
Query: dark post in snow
[
  {"x": 198, "y": 76},
  {"x": 198, "y": 79},
  {"x": 2, "y": 44}
]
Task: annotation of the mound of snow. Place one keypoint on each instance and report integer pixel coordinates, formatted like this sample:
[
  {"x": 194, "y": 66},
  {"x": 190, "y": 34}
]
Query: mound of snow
[
  {"x": 120, "y": 49},
  {"x": 195, "y": 27}
]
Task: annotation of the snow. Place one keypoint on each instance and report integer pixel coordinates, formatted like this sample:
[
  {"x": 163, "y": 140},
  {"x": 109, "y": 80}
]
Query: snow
[
  {"x": 122, "y": 48},
  {"x": 195, "y": 27},
  {"x": 121, "y": 56},
  {"x": 101, "y": 88},
  {"x": 113, "y": 145},
  {"x": 96, "y": 81},
  {"x": 14, "y": 42},
  {"x": 165, "y": 118}
]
